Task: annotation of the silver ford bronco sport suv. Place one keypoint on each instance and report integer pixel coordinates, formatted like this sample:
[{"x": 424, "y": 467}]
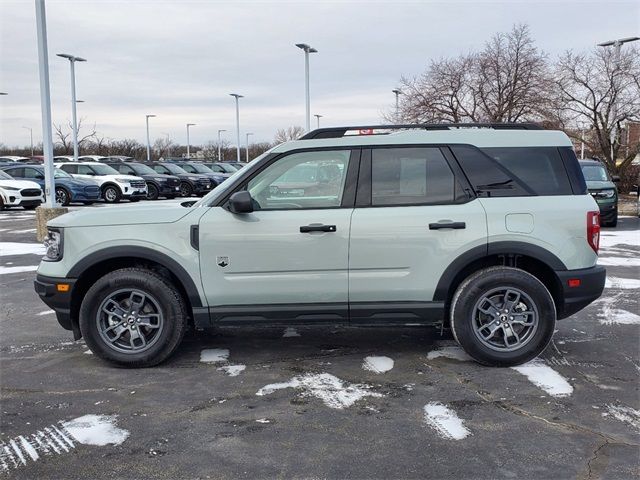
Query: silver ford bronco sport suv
[{"x": 486, "y": 229}]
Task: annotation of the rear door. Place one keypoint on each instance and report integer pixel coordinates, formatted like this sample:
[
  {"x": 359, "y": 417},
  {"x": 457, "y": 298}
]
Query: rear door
[{"x": 414, "y": 216}]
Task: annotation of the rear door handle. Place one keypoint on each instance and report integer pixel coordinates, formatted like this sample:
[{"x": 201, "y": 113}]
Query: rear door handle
[
  {"x": 317, "y": 227},
  {"x": 454, "y": 225}
]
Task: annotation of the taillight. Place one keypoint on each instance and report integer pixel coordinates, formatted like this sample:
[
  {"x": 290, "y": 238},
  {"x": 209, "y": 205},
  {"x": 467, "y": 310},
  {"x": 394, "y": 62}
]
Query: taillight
[{"x": 593, "y": 230}]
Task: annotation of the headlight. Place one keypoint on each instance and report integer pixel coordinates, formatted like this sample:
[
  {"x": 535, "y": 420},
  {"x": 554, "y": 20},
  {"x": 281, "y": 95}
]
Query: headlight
[
  {"x": 159, "y": 179},
  {"x": 608, "y": 193},
  {"x": 11, "y": 188},
  {"x": 193, "y": 178},
  {"x": 122, "y": 180},
  {"x": 53, "y": 245}
]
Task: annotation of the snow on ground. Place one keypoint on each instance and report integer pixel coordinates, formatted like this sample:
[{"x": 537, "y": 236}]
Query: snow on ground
[
  {"x": 378, "y": 364},
  {"x": 26, "y": 268},
  {"x": 627, "y": 415},
  {"x": 611, "y": 315},
  {"x": 16, "y": 248},
  {"x": 214, "y": 355},
  {"x": 290, "y": 332},
  {"x": 622, "y": 283},
  {"x": 46, "y": 312},
  {"x": 99, "y": 430},
  {"x": 545, "y": 377},
  {"x": 233, "y": 370},
  {"x": 445, "y": 421},
  {"x": 619, "y": 261},
  {"x": 333, "y": 392},
  {"x": 619, "y": 237},
  {"x": 453, "y": 352}
]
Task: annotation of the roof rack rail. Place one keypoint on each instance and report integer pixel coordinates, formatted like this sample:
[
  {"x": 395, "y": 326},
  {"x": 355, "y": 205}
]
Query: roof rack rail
[{"x": 337, "y": 132}]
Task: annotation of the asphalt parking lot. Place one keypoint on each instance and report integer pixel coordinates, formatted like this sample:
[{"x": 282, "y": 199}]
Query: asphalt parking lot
[{"x": 320, "y": 402}]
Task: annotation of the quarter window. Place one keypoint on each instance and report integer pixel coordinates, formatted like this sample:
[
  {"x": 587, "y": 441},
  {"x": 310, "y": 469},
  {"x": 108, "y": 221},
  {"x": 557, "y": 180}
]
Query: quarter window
[
  {"x": 410, "y": 176},
  {"x": 302, "y": 180}
]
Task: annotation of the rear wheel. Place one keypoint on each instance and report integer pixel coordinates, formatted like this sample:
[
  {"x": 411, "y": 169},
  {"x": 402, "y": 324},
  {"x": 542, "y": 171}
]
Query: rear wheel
[
  {"x": 152, "y": 192},
  {"x": 62, "y": 196},
  {"x": 111, "y": 194},
  {"x": 186, "y": 190},
  {"x": 502, "y": 316},
  {"x": 133, "y": 317}
]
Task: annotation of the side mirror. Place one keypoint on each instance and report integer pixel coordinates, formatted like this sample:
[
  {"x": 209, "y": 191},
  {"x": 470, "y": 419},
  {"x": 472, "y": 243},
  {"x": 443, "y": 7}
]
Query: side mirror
[
  {"x": 241, "y": 202},
  {"x": 39, "y": 177},
  {"x": 615, "y": 178}
]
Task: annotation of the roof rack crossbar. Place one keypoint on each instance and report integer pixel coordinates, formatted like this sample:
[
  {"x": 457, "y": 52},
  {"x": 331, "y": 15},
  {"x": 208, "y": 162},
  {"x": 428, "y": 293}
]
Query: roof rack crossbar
[{"x": 337, "y": 132}]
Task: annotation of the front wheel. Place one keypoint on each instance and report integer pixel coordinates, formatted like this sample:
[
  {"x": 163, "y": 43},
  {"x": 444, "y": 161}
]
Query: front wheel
[
  {"x": 111, "y": 194},
  {"x": 152, "y": 192},
  {"x": 133, "y": 317},
  {"x": 186, "y": 190},
  {"x": 62, "y": 197},
  {"x": 502, "y": 316}
]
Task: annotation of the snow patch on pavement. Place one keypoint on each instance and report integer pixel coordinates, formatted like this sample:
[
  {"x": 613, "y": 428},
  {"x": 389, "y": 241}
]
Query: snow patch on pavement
[
  {"x": 16, "y": 248},
  {"x": 9, "y": 270},
  {"x": 619, "y": 237},
  {"x": 290, "y": 332},
  {"x": 628, "y": 415},
  {"x": 233, "y": 370},
  {"x": 46, "y": 312},
  {"x": 622, "y": 283},
  {"x": 546, "y": 378},
  {"x": 455, "y": 353},
  {"x": 214, "y": 355},
  {"x": 334, "y": 392},
  {"x": 99, "y": 430},
  {"x": 610, "y": 315},
  {"x": 619, "y": 261},
  {"x": 445, "y": 421},
  {"x": 378, "y": 364}
]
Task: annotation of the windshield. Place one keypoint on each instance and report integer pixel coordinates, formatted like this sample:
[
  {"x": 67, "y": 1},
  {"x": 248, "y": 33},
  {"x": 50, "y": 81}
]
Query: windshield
[
  {"x": 57, "y": 173},
  {"x": 175, "y": 169},
  {"x": 227, "y": 168},
  {"x": 5, "y": 176},
  {"x": 200, "y": 168},
  {"x": 141, "y": 169},
  {"x": 101, "y": 169},
  {"x": 594, "y": 173}
]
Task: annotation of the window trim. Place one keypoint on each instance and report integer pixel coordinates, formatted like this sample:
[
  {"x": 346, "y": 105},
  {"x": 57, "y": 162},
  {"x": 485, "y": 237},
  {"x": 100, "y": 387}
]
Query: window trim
[
  {"x": 365, "y": 181},
  {"x": 348, "y": 193}
]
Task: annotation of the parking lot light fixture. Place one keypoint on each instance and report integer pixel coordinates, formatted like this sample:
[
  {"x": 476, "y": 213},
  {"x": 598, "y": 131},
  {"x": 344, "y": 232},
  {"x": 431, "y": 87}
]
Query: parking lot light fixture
[
  {"x": 4, "y": 93},
  {"x": 72, "y": 62},
  {"x": 237, "y": 97},
  {"x": 219, "y": 144},
  {"x": 307, "y": 50},
  {"x": 247, "y": 157},
  {"x": 188, "y": 142},
  {"x": 397, "y": 93},
  {"x": 318, "y": 117},
  {"x": 148, "y": 142},
  {"x": 31, "y": 137}
]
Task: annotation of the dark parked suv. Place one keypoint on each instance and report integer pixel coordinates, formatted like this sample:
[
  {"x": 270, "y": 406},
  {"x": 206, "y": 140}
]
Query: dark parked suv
[
  {"x": 602, "y": 188},
  {"x": 200, "y": 168},
  {"x": 167, "y": 186},
  {"x": 190, "y": 183}
]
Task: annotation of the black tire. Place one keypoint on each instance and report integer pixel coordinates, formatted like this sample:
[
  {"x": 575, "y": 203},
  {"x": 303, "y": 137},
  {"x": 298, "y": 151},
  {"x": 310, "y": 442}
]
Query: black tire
[
  {"x": 63, "y": 197},
  {"x": 152, "y": 192},
  {"x": 186, "y": 190},
  {"x": 169, "y": 197},
  {"x": 465, "y": 316},
  {"x": 160, "y": 292},
  {"x": 30, "y": 207},
  {"x": 111, "y": 194},
  {"x": 1, "y": 203},
  {"x": 134, "y": 199}
]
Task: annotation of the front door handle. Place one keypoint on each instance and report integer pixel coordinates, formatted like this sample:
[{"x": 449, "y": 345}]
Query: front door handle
[
  {"x": 317, "y": 227},
  {"x": 454, "y": 225}
]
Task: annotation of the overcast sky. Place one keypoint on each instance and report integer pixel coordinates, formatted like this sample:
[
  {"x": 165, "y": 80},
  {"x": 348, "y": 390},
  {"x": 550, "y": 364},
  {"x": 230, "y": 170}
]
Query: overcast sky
[{"x": 180, "y": 59}]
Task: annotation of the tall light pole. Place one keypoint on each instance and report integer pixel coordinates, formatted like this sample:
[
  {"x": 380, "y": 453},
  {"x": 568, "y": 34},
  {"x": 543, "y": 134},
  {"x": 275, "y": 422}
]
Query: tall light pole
[
  {"x": 220, "y": 145},
  {"x": 307, "y": 50},
  {"x": 188, "y": 141},
  {"x": 397, "y": 93},
  {"x": 147, "y": 117},
  {"x": 45, "y": 104},
  {"x": 72, "y": 61},
  {"x": 318, "y": 117},
  {"x": 30, "y": 136},
  {"x": 617, "y": 44},
  {"x": 168, "y": 144},
  {"x": 237, "y": 97},
  {"x": 247, "y": 157}
]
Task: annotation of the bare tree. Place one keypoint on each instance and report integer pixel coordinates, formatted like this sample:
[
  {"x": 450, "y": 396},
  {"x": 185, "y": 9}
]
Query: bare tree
[
  {"x": 163, "y": 147},
  {"x": 128, "y": 147},
  {"x": 598, "y": 91},
  {"x": 64, "y": 136},
  {"x": 287, "y": 134}
]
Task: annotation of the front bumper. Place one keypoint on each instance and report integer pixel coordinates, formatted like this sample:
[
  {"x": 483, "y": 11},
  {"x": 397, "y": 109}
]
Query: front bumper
[
  {"x": 574, "y": 299},
  {"x": 608, "y": 211},
  {"x": 59, "y": 301},
  {"x": 166, "y": 189}
]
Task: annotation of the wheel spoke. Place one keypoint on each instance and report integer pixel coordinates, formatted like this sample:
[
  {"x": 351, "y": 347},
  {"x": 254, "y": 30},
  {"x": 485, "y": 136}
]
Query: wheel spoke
[
  {"x": 492, "y": 327},
  {"x": 509, "y": 303},
  {"x": 136, "y": 301},
  {"x": 149, "y": 320},
  {"x": 134, "y": 335},
  {"x": 492, "y": 309},
  {"x": 118, "y": 329},
  {"x": 113, "y": 308},
  {"x": 508, "y": 333}
]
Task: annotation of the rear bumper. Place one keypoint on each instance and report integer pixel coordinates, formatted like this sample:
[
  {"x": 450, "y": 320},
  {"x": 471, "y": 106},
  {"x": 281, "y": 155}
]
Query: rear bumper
[
  {"x": 576, "y": 298},
  {"x": 60, "y": 302}
]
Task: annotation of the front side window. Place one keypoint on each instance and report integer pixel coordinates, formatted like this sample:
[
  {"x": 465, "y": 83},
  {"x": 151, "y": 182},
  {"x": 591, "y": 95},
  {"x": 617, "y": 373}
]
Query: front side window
[
  {"x": 302, "y": 180},
  {"x": 410, "y": 176},
  {"x": 32, "y": 173},
  {"x": 126, "y": 169}
]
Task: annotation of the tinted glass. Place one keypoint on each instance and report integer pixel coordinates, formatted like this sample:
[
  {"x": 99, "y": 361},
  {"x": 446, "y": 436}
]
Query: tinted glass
[
  {"x": 15, "y": 172},
  {"x": 32, "y": 173},
  {"x": 69, "y": 168},
  {"x": 57, "y": 173},
  {"x": 594, "y": 173},
  {"x": 141, "y": 169},
  {"x": 539, "y": 168},
  {"x": 188, "y": 168},
  {"x": 409, "y": 176},
  {"x": 5, "y": 176},
  {"x": 174, "y": 169},
  {"x": 200, "y": 168}
]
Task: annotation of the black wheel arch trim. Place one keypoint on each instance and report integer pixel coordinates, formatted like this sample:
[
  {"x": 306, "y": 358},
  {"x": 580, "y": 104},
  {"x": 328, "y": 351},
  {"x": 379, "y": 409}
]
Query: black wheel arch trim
[
  {"x": 488, "y": 250},
  {"x": 143, "y": 253}
]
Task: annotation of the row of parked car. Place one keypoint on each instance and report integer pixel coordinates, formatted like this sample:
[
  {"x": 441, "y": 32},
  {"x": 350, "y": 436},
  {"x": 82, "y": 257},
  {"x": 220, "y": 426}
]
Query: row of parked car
[{"x": 110, "y": 179}]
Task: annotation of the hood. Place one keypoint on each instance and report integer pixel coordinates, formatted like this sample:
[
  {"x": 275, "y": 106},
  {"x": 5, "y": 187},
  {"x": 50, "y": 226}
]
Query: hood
[
  {"x": 125, "y": 177},
  {"x": 167, "y": 212},
  {"x": 19, "y": 184},
  {"x": 599, "y": 185}
]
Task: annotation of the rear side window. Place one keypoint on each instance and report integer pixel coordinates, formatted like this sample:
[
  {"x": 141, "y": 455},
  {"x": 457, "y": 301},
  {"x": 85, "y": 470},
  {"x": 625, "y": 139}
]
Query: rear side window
[
  {"x": 69, "y": 168},
  {"x": 540, "y": 168},
  {"x": 410, "y": 176}
]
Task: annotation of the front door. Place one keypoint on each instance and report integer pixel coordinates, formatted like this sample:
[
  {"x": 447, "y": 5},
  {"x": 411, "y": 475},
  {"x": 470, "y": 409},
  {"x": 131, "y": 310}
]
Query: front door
[{"x": 287, "y": 260}]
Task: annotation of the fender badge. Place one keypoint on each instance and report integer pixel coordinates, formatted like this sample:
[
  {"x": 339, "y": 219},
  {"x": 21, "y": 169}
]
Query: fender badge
[{"x": 222, "y": 261}]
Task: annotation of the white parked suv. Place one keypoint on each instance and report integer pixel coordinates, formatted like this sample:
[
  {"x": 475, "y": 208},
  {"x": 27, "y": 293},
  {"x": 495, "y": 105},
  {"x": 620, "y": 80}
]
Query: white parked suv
[
  {"x": 114, "y": 185},
  {"x": 19, "y": 193},
  {"x": 487, "y": 229}
]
